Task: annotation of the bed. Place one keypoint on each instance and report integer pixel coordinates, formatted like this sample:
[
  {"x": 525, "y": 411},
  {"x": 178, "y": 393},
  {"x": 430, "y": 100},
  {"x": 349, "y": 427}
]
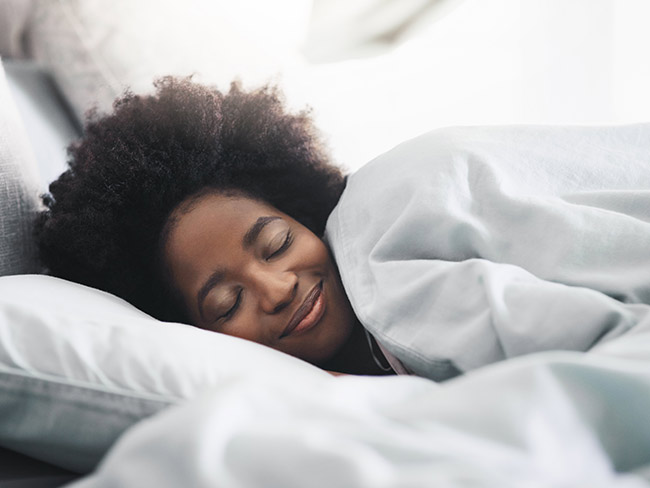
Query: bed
[
  {"x": 108, "y": 391},
  {"x": 133, "y": 402},
  {"x": 95, "y": 393}
]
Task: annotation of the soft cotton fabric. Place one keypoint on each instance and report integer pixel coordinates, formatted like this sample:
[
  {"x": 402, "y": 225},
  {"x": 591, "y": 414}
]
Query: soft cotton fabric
[
  {"x": 554, "y": 419},
  {"x": 467, "y": 246}
]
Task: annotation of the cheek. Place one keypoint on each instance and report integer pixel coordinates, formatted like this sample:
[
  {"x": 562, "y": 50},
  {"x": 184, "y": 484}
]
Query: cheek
[{"x": 315, "y": 252}]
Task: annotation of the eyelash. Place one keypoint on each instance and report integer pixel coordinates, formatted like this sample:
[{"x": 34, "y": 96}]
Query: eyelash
[
  {"x": 233, "y": 309},
  {"x": 285, "y": 245}
]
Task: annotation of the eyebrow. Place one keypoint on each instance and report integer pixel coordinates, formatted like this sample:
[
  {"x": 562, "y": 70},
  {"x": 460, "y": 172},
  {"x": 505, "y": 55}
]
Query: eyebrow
[
  {"x": 217, "y": 276},
  {"x": 253, "y": 233}
]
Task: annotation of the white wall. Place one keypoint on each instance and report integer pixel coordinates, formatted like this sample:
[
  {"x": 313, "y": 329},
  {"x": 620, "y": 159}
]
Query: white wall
[
  {"x": 585, "y": 61},
  {"x": 488, "y": 62}
]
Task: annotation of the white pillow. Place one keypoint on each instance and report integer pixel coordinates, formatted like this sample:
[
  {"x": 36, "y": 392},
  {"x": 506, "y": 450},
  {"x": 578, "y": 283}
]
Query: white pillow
[
  {"x": 78, "y": 366},
  {"x": 95, "y": 49}
]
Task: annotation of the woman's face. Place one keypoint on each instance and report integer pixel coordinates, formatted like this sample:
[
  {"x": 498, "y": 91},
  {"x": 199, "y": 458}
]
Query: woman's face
[{"x": 246, "y": 269}]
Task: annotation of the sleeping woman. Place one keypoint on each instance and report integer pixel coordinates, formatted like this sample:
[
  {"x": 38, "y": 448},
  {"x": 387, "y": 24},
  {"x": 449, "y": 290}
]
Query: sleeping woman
[{"x": 455, "y": 250}]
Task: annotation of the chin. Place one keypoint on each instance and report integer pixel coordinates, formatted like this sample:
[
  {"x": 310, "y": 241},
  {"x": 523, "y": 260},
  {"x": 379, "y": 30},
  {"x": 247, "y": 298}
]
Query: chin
[{"x": 337, "y": 348}]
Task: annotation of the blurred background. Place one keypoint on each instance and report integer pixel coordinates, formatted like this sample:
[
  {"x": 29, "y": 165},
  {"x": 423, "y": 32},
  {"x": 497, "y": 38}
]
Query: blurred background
[{"x": 374, "y": 72}]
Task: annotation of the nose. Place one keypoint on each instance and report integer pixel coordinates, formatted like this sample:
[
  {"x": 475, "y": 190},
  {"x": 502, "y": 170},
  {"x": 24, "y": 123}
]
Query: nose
[{"x": 276, "y": 289}]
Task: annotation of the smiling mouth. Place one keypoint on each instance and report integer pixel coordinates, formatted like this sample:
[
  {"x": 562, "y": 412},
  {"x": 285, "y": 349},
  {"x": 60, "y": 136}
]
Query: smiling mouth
[{"x": 308, "y": 314}]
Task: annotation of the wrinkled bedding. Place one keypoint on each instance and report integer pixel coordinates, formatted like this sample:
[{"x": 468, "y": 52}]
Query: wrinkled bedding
[
  {"x": 467, "y": 246},
  {"x": 556, "y": 419},
  {"x": 501, "y": 253}
]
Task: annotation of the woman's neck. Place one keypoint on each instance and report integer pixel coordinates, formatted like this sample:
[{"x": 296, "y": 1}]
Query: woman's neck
[{"x": 356, "y": 357}]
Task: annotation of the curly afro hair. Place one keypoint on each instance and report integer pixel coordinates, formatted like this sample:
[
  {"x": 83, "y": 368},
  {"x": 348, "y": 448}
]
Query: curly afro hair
[{"x": 105, "y": 216}]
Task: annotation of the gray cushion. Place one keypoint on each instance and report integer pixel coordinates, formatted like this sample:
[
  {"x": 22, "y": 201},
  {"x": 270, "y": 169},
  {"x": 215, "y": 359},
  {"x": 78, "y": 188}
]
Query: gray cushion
[
  {"x": 14, "y": 15},
  {"x": 19, "y": 190},
  {"x": 49, "y": 123}
]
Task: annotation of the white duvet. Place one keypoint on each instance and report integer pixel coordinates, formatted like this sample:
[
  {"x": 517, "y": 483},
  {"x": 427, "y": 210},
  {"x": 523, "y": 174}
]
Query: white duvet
[
  {"x": 562, "y": 419},
  {"x": 540, "y": 240},
  {"x": 467, "y": 246}
]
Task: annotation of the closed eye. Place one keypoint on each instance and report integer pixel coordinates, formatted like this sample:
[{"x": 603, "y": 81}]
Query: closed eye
[
  {"x": 283, "y": 247},
  {"x": 232, "y": 310}
]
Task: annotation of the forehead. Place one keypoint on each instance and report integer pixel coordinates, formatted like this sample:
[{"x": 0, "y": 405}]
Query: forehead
[
  {"x": 220, "y": 209},
  {"x": 213, "y": 222}
]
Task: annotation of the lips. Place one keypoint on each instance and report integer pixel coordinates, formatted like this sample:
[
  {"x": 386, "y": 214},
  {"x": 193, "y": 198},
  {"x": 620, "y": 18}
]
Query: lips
[{"x": 308, "y": 314}]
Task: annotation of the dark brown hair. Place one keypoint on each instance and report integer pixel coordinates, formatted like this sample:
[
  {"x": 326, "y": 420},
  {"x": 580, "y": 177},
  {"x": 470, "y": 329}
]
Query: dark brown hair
[{"x": 105, "y": 215}]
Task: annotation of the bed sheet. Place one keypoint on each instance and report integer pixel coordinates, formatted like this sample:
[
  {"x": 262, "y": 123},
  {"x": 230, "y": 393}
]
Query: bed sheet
[{"x": 557, "y": 419}]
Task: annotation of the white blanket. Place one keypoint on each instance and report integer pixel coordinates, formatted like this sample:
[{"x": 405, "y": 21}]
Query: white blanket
[
  {"x": 460, "y": 248},
  {"x": 562, "y": 419},
  {"x": 467, "y": 246}
]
